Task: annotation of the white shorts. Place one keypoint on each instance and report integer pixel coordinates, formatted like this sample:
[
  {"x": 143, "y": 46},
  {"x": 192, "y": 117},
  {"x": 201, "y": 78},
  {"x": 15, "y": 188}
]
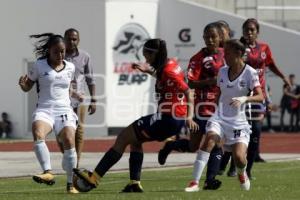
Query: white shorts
[
  {"x": 230, "y": 134},
  {"x": 57, "y": 122}
]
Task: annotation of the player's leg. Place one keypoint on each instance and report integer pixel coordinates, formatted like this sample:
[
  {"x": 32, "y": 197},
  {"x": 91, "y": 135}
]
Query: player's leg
[
  {"x": 135, "y": 168},
  {"x": 253, "y": 144},
  {"x": 183, "y": 145},
  {"x": 79, "y": 136},
  {"x": 40, "y": 129},
  {"x": 69, "y": 160},
  {"x": 232, "y": 170},
  {"x": 239, "y": 152},
  {"x": 111, "y": 157},
  {"x": 224, "y": 161},
  {"x": 213, "y": 166},
  {"x": 201, "y": 160}
]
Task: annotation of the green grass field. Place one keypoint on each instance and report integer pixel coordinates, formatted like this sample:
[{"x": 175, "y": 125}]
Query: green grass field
[{"x": 273, "y": 181}]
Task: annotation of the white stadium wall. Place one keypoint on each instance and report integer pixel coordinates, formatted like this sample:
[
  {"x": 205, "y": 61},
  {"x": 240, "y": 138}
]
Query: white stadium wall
[
  {"x": 18, "y": 20},
  {"x": 178, "y": 22}
]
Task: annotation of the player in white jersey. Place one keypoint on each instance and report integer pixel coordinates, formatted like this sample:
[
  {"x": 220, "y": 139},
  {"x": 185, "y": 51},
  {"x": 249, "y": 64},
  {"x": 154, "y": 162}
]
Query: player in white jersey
[
  {"x": 52, "y": 75},
  {"x": 229, "y": 122}
]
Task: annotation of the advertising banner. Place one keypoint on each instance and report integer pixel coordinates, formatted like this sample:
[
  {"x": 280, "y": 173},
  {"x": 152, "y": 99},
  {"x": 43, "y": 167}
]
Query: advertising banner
[{"x": 128, "y": 25}]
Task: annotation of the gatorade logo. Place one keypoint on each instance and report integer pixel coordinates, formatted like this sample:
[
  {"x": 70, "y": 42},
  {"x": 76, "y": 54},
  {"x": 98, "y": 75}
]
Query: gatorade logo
[{"x": 184, "y": 35}]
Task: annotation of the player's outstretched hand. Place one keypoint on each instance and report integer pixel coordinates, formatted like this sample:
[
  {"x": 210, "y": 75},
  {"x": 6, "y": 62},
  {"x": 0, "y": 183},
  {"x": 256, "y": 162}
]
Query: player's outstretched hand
[
  {"x": 143, "y": 68},
  {"x": 22, "y": 82},
  {"x": 238, "y": 101},
  {"x": 193, "y": 126}
]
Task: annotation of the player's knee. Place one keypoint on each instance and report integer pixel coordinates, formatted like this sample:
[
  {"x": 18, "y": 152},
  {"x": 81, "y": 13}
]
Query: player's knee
[
  {"x": 210, "y": 142},
  {"x": 68, "y": 141},
  {"x": 38, "y": 135}
]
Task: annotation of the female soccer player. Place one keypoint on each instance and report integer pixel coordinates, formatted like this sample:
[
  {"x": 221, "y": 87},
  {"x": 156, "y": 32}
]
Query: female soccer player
[
  {"x": 52, "y": 75},
  {"x": 229, "y": 121},
  {"x": 174, "y": 105},
  {"x": 258, "y": 56},
  {"x": 202, "y": 76}
]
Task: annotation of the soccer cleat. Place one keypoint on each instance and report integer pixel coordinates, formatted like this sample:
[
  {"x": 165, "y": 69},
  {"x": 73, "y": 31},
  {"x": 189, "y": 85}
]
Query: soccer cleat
[
  {"x": 87, "y": 176},
  {"x": 232, "y": 173},
  {"x": 164, "y": 152},
  {"x": 193, "y": 187},
  {"x": 212, "y": 184},
  {"x": 46, "y": 178},
  {"x": 133, "y": 187},
  {"x": 71, "y": 189},
  {"x": 244, "y": 181}
]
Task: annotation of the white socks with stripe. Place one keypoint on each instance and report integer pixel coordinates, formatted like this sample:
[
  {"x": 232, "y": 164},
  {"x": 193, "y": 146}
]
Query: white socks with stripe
[
  {"x": 42, "y": 153},
  {"x": 199, "y": 164},
  {"x": 69, "y": 162}
]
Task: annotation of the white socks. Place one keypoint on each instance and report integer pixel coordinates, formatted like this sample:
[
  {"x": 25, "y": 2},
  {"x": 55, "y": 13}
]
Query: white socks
[
  {"x": 69, "y": 162},
  {"x": 199, "y": 164},
  {"x": 42, "y": 153}
]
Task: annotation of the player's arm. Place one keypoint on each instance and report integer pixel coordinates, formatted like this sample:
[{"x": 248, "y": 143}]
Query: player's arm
[
  {"x": 90, "y": 81},
  {"x": 257, "y": 97},
  {"x": 25, "y": 83},
  {"x": 274, "y": 68},
  {"x": 190, "y": 111},
  {"x": 145, "y": 68}
]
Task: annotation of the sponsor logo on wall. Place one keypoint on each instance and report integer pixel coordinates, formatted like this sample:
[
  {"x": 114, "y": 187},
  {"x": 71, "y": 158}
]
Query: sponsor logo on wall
[
  {"x": 128, "y": 49},
  {"x": 184, "y": 44},
  {"x": 185, "y": 38}
]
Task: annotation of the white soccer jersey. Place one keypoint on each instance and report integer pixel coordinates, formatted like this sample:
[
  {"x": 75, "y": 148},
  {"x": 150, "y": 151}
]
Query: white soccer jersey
[
  {"x": 241, "y": 86},
  {"x": 53, "y": 86}
]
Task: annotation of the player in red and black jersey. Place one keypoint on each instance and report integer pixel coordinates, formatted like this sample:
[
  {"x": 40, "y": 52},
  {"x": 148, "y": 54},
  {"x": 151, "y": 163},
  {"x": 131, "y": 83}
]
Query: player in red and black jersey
[
  {"x": 258, "y": 56},
  {"x": 202, "y": 72},
  {"x": 175, "y": 108}
]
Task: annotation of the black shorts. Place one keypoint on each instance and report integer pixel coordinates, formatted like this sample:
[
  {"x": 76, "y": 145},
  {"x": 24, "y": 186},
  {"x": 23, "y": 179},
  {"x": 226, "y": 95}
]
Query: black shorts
[
  {"x": 157, "y": 127},
  {"x": 201, "y": 123}
]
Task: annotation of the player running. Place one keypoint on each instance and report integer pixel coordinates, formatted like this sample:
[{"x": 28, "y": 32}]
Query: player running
[
  {"x": 202, "y": 77},
  {"x": 53, "y": 76},
  {"x": 258, "y": 56},
  {"x": 175, "y": 103},
  {"x": 229, "y": 121}
]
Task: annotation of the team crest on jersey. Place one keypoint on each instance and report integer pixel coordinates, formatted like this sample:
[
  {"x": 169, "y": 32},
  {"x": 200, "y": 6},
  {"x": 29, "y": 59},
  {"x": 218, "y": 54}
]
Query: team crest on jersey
[
  {"x": 69, "y": 74},
  {"x": 177, "y": 70},
  {"x": 46, "y": 74},
  {"x": 170, "y": 82},
  {"x": 242, "y": 83},
  {"x": 263, "y": 55},
  {"x": 207, "y": 61}
]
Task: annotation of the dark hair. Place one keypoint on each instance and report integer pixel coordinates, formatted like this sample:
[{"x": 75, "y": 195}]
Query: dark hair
[
  {"x": 211, "y": 26},
  {"x": 251, "y": 20},
  {"x": 292, "y": 75},
  {"x": 70, "y": 30},
  {"x": 158, "y": 47},
  {"x": 43, "y": 45},
  {"x": 243, "y": 40},
  {"x": 236, "y": 45},
  {"x": 223, "y": 24}
]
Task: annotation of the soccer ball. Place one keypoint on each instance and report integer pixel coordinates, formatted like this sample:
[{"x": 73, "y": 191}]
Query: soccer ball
[{"x": 81, "y": 185}]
